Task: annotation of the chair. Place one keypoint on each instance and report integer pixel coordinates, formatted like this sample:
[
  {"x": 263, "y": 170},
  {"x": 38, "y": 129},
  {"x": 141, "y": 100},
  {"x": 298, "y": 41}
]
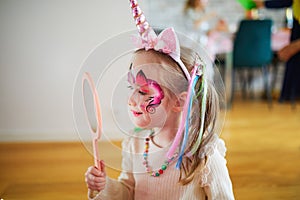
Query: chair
[{"x": 252, "y": 51}]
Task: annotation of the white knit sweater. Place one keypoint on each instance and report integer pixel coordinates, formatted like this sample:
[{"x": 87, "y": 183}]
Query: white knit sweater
[{"x": 212, "y": 182}]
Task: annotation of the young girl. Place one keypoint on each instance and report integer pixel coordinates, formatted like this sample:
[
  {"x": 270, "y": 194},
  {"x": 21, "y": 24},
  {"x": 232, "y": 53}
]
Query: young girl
[{"x": 175, "y": 153}]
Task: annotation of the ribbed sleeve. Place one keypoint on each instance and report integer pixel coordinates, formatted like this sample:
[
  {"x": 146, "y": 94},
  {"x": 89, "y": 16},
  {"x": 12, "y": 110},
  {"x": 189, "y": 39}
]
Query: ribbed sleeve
[{"x": 219, "y": 186}]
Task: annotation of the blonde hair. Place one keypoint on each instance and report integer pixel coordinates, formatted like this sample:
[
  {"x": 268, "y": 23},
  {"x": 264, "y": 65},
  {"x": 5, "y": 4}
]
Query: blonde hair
[
  {"x": 190, "y": 164},
  {"x": 178, "y": 83}
]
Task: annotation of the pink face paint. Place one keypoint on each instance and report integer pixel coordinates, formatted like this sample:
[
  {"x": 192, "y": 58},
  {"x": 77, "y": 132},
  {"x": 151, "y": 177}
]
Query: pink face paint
[{"x": 147, "y": 87}]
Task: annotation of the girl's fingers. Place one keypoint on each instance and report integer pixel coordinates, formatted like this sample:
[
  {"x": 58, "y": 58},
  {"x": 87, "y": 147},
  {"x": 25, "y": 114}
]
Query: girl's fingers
[
  {"x": 94, "y": 171},
  {"x": 95, "y": 178},
  {"x": 96, "y": 183},
  {"x": 96, "y": 186}
]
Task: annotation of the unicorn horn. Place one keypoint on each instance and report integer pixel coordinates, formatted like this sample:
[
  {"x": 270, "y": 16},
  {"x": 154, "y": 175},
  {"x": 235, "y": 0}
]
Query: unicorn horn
[{"x": 140, "y": 19}]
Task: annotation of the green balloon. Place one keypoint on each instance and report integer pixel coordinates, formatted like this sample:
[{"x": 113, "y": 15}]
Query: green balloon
[{"x": 247, "y": 4}]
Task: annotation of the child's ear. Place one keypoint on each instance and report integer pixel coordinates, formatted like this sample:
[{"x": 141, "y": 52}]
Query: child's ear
[{"x": 179, "y": 103}]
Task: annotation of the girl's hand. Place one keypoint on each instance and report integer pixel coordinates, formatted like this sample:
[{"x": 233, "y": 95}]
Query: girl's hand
[{"x": 96, "y": 178}]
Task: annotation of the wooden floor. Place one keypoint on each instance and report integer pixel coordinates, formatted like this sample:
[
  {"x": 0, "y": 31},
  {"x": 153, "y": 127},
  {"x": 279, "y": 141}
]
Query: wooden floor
[{"x": 263, "y": 159}]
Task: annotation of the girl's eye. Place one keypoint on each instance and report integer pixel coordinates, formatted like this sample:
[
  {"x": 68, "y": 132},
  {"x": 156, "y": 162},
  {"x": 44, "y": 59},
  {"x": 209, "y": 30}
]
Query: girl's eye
[{"x": 142, "y": 93}]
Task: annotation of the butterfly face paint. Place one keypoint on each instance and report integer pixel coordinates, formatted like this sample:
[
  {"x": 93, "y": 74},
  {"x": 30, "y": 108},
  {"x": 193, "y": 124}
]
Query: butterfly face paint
[
  {"x": 149, "y": 91},
  {"x": 152, "y": 98}
]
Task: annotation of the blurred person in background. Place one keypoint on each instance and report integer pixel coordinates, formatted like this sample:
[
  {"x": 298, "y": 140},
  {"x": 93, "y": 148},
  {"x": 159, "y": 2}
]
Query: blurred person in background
[
  {"x": 205, "y": 26},
  {"x": 200, "y": 20},
  {"x": 290, "y": 53}
]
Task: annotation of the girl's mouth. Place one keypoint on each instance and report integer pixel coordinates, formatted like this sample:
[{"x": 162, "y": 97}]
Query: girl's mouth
[{"x": 135, "y": 113}]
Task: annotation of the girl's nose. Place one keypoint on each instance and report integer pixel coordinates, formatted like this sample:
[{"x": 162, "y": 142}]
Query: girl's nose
[{"x": 132, "y": 100}]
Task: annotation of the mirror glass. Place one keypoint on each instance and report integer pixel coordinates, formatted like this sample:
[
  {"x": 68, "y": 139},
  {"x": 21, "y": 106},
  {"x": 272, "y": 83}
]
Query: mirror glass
[{"x": 89, "y": 105}]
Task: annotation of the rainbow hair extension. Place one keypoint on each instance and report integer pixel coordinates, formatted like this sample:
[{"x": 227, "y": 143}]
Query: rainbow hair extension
[
  {"x": 194, "y": 81},
  {"x": 179, "y": 133},
  {"x": 202, "y": 116}
]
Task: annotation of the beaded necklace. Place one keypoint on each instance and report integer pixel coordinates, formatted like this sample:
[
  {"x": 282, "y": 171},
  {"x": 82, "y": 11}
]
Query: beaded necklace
[{"x": 163, "y": 167}]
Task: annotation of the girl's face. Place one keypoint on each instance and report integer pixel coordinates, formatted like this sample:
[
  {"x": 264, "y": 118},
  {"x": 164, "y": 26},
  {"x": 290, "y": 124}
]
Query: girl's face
[{"x": 148, "y": 104}]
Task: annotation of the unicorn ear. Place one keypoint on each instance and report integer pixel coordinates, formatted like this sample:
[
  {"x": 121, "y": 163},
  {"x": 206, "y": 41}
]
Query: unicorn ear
[{"x": 169, "y": 41}]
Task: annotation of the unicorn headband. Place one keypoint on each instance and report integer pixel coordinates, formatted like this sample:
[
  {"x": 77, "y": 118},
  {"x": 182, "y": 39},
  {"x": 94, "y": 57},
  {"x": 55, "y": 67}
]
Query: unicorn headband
[
  {"x": 165, "y": 42},
  {"x": 168, "y": 43}
]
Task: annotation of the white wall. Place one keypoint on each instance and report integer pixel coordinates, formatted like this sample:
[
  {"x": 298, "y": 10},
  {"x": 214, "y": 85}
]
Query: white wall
[{"x": 42, "y": 44}]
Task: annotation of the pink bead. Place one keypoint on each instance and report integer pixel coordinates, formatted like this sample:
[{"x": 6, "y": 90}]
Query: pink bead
[
  {"x": 136, "y": 11},
  {"x": 143, "y": 27},
  {"x": 140, "y": 19},
  {"x": 133, "y": 3}
]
